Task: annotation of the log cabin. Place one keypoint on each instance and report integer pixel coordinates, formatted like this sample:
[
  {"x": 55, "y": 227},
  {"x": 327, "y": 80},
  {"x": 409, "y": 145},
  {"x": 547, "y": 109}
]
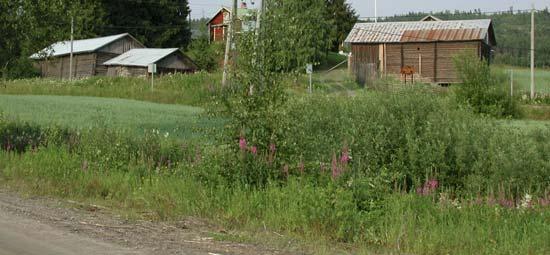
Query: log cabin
[{"x": 427, "y": 46}]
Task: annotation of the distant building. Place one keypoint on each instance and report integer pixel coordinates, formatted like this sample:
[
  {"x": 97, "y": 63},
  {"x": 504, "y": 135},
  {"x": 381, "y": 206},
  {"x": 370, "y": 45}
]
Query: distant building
[
  {"x": 135, "y": 62},
  {"x": 88, "y": 56},
  {"x": 219, "y": 24},
  {"x": 426, "y": 47}
]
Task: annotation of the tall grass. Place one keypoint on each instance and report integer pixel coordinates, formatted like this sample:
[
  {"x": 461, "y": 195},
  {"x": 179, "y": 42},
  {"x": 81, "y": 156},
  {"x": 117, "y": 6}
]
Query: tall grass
[{"x": 188, "y": 89}]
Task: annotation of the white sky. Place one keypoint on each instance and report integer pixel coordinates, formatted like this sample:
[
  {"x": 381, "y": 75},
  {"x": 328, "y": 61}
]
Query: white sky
[{"x": 390, "y": 7}]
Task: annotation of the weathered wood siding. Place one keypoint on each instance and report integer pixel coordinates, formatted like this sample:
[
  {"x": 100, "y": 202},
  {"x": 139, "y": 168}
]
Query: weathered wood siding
[
  {"x": 101, "y": 58},
  {"x": 83, "y": 66},
  {"x": 177, "y": 61},
  {"x": 432, "y": 61},
  {"x": 446, "y": 71},
  {"x": 121, "y": 46},
  {"x": 126, "y": 71}
]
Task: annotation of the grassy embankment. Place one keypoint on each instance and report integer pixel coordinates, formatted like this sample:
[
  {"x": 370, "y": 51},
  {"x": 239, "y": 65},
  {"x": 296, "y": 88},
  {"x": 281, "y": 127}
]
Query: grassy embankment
[{"x": 396, "y": 141}]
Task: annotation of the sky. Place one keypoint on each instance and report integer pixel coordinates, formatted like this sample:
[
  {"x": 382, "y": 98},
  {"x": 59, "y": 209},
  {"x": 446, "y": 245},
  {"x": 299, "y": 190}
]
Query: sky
[{"x": 365, "y": 8}]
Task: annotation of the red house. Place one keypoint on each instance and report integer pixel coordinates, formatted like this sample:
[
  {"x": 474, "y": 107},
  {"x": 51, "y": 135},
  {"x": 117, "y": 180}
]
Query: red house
[{"x": 219, "y": 24}]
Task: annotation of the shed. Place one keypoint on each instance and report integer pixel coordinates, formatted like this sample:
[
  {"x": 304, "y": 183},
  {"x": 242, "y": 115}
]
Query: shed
[
  {"x": 428, "y": 46},
  {"x": 135, "y": 62},
  {"x": 219, "y": 23},
  {"x": 88, "y": 55}
]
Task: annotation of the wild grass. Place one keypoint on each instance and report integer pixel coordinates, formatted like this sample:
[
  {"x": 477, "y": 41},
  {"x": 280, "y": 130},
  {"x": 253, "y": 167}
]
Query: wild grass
[
  {"x": 522, "y": 79},
  {"x": 88, "y": 112},
  {"x": 188, "y": 89}
]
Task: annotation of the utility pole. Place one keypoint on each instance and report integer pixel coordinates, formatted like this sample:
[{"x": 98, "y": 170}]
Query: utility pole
[
  {"x": 71, "y": 54},
  {"x": 533, "y": 52},
  {"x": 228, "y": 44}
]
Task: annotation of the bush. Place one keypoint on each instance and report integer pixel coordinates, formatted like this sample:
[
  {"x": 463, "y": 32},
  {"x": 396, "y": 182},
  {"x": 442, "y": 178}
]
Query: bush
[
  {"x": 205, "y": 54},
  {"x": 483, "y": 90}
]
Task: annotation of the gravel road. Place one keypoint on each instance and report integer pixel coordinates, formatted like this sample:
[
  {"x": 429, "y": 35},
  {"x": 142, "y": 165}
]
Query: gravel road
[{"x": 48, "y": 226}]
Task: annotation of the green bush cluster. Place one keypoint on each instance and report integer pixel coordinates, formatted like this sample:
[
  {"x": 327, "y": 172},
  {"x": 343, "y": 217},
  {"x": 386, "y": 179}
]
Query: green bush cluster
[{"x": 482, "y": 90}]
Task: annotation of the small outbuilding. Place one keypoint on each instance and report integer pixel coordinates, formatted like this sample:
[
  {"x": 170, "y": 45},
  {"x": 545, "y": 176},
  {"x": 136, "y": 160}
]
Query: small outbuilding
[
  {"x": 88, "y": 56},
  {"x": 425, "y": 47},
  {"x": 136, "y": 62}
]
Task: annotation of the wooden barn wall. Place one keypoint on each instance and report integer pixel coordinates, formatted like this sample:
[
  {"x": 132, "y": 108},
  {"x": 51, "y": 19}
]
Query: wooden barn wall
[
  {"x": 175, "y": 61},
  {"x": 365, "y": 53},
  {"x": 121, "y": 46},
  {"x": 437, "y": 57},
  {"x": 421, "y": 56},
  {"x": 393, "y": 58},
  {"x": 83, "y": 66},
  {"x": 101, "y": 58},
  {"x": 126, "y": 71},
  {"x": 446, "y": 71}
]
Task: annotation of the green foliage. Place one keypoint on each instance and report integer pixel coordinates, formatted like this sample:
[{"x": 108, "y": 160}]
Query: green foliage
[
  {"x": 343, "y": 17},
  {"x": 205, "y": 54},
  {"x": 187, "y": 89},
  {"x": 482, "y": 90},
  {"x": 28, "y": 26},
  {"x": 293, "y": 37},
  {"x": 157, "y": 24}
]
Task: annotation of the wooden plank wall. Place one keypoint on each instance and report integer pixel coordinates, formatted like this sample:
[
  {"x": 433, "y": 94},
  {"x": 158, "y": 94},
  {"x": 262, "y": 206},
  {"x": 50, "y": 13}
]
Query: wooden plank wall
[
  {"x": 83, "y": 66},
  {"x": 437, "y": 58},
  {"x": 446, "y": 71},
  {"x": 365, "y": 53},
  {"x": 120, "y": 46},
  {"x": 101, "y": 58},
  {"x": 126, "y": 71}
]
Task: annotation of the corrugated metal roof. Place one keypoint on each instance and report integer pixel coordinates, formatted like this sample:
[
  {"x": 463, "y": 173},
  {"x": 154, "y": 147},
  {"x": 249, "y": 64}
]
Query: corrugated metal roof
[
  {"x": 420, "y": 31},
  {"x": 79, "y": 46},
  {"x": 442, "y": 35},
  {"x": 140, "y": 57}
]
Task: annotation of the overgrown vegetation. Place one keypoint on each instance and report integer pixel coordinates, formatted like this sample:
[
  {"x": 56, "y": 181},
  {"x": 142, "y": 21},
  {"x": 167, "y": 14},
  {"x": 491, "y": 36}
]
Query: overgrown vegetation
[
  {"x": 404, "y": 171},
  {"x": 195, "y": 89},
  {"x": 483, "y": 90}
]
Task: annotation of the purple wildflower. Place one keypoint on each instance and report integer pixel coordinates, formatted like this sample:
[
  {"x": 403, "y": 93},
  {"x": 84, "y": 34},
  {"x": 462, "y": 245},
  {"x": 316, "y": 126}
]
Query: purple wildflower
[{"x": 428, "y": 188}]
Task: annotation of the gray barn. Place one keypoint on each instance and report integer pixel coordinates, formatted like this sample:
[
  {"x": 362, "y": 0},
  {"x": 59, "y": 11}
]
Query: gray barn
[
  {"x": 135, "y": 62},
  {"x": 88, "y": 56}
]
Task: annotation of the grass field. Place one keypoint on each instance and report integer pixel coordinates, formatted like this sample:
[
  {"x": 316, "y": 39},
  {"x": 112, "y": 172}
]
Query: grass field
[
  {"x": 522, "y": 79},
  {"x": 87, "y": 112}
]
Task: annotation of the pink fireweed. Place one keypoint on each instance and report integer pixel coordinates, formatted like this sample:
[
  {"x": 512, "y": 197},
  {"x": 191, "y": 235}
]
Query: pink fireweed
[
  {"x": 242, "y": 144},
  {"x": 428, "y": 188},
  {"x": 344, "y": 159},
  {"x": 254, "y": 150}
]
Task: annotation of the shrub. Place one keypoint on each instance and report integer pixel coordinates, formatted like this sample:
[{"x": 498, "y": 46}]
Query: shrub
[
  {"x": 483, "y": 90},
  {"x": 205, "y": 54}
]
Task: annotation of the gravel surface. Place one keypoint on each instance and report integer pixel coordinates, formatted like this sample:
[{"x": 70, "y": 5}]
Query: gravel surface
[{"x": 50, "y": 226}]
